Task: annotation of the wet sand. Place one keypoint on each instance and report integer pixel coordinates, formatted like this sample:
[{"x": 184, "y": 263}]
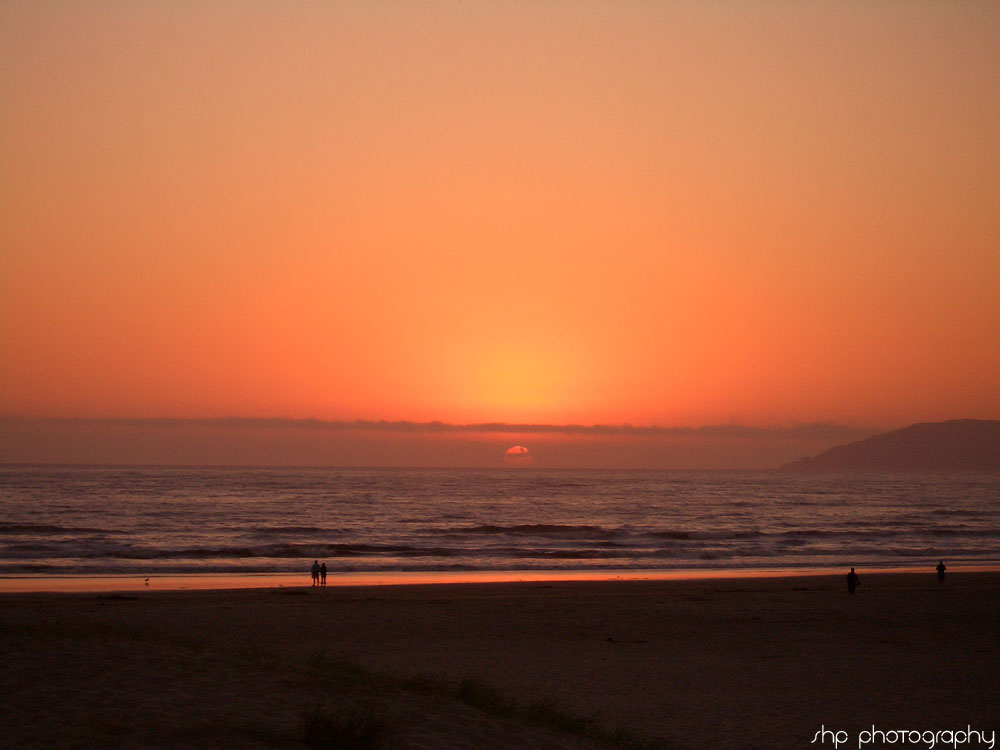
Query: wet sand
[{"x": 716, "y": 663}]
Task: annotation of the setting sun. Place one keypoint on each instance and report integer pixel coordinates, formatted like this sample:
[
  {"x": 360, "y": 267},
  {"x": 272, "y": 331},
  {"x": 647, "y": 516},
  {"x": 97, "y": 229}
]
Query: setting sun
[{"x": 517, "y": 455}]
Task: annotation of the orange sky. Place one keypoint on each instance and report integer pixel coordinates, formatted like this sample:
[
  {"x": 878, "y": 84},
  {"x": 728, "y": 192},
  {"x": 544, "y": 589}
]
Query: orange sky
[{"x": 656, "y": 213}]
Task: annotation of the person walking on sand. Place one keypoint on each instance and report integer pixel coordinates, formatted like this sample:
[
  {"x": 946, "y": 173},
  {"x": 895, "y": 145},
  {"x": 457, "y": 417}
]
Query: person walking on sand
[
  {"x": 941, "y": 569},
  {"x": 322, "y": 573},
  {"x": 852, "y": 581},
  {"x": 315, "y": 572}
]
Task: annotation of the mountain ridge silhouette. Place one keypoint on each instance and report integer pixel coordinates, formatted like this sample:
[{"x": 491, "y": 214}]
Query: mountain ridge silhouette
[{"x": 951, "y": 446}]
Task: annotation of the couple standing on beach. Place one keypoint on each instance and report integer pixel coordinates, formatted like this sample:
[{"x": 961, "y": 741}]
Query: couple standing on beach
[{"x": 319, "y": 573}]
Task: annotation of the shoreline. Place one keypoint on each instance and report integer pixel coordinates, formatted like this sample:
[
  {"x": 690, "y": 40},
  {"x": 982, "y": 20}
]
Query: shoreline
[{"x": 42, "y": 583}]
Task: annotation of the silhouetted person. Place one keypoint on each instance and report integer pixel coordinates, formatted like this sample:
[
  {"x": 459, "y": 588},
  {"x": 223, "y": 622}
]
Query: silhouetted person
[
  {"x": 315, "y": 572},
  {"x": 941, "y": 569},
  {"x": 322, "y": 573},
  {"x": 852, "y": 581}
]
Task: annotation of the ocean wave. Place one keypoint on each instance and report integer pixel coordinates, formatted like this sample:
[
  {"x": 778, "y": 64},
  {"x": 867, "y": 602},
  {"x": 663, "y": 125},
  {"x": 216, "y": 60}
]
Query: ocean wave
[
  {"x": 857, "y": 534},
  {"x": 288, "y": 529},
  {"x": 944, "y": 531},
  {"x": 911, "y": 533},
  {"x": 280, "y": 531},
  {"x": 543, "y": 529},
  {"x": 29, "y": 550},
  {"x": 40, "y": 528},
  {"x": 694, "y": 535},
  {"x": 277, "y": 551}
]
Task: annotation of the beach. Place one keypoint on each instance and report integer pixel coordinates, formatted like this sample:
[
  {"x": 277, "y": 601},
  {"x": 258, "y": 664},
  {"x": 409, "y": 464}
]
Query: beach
[{"x": 684, "y": 664}]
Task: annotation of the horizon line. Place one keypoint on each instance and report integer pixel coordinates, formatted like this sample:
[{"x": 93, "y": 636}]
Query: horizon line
[{"x": 824, "y": 429}]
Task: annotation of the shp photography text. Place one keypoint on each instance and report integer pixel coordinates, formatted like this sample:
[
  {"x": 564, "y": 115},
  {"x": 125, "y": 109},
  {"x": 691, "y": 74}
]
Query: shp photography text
[{"x": 915, "y": 738}]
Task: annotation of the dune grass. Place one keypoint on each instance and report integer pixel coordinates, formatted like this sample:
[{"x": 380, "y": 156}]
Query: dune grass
[{"x": 361, "y": 725}]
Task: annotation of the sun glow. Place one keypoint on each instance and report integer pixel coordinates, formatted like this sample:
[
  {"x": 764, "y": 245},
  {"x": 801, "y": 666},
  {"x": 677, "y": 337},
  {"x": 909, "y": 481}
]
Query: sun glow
[{"x": 518, "y": 382}]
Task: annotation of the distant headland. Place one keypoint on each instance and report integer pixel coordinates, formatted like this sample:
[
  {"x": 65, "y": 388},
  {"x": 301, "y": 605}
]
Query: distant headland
[{"x": 956, "y": 445}]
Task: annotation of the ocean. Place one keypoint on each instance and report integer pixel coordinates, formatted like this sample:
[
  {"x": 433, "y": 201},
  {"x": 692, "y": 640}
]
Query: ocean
[{"x": 87, "y": 521}]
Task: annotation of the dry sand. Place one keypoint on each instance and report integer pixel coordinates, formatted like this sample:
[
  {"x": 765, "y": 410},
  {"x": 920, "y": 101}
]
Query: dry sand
[{"x": 747, "y": 663}]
